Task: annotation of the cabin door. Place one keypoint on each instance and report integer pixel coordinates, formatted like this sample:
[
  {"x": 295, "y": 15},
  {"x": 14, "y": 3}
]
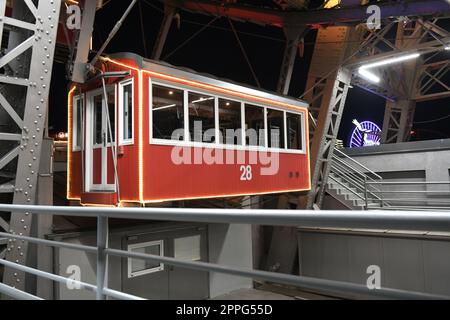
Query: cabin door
[{"x": 100, "y": 137}]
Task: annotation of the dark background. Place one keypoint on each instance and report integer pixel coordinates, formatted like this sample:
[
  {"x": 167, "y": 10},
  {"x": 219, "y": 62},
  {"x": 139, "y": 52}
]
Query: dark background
[{"x": 216, "y": 51}]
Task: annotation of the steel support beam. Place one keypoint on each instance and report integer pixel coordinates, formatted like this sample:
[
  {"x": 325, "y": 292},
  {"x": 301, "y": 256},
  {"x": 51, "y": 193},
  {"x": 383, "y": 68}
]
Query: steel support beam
[
  {"x": 398, "y": 119},
  {"x": 326, "y": 92},
  {"x": 293, "y": 36},
  {"x": 433, "y": 81},
  {"x": 169, "y": 12},
  {"x": 312, "y": 18},
  {"x": 332, "y": 95},
  {"x": 84, "y": 42},
  {"x": 399, "y": 114},
  {"x": 46, "y": 17}
]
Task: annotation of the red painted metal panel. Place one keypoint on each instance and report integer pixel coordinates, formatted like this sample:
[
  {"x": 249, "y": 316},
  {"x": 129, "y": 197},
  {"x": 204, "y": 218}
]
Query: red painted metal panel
[
  {"x": 110, "y": 167},
  {"x": 97, "y": 166},
  {"x": 99, "y": 198},
  {"x": 167, "y": 180}
]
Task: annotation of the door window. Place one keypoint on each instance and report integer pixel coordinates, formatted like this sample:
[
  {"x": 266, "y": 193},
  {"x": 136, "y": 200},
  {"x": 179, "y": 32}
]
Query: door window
[
  {"x": 97, "y": 121},
  {"x": 187, "y": 248},
  {"x": 138, "y": 267}
]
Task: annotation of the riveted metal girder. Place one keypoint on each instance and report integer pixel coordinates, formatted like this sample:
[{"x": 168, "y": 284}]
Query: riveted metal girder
[{"x": 41, "y": 21}]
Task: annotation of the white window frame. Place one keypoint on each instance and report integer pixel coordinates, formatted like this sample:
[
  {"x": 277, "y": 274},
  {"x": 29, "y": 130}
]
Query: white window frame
[
  {"x": 217, "y": 145},
  {"x": 152, "y": 140},
  {"x": 130, "y": 247},
  {"x": 224, "y": 145},
  {"x": 302, "y": 122},
  {"x": 90, "y": 146},
  {"x": 122, "y": 140},
  {"x": 76, "y": 145},
  {"x": 186, "y": 112}
]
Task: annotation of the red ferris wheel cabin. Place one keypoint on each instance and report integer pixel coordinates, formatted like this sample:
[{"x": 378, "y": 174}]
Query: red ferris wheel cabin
[{"x": 144, "y": 131}]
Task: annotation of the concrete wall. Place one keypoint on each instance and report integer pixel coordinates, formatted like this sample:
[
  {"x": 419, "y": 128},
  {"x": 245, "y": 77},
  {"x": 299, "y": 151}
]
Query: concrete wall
[
  {"x": 411, "y": 161},
  {"x": 410, "y": 263},
  {"x": 432, "y": 157},
  {"x": 229, "y": 245},
  {"x": 416, "y": 261}
]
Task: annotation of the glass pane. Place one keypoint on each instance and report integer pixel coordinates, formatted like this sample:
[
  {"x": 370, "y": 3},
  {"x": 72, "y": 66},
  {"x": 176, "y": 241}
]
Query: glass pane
[
  {"x": 187, "y": 248},
  {"x": 127, "y": 116},
  {"x": 254, "y": 125},
  {"x": 168, "y": 113},
  {"x": 294, "y": 131},
  {"x": 112, "y": 115},
  {"x": 275, "y": 123},
  {"x": 77, "y": 119},
  {"x": 97, "y": 121},
  {"x": 201, "y": 118},
  {"x": 230, "y": 122},
  {"x": 140, "y": 265}
]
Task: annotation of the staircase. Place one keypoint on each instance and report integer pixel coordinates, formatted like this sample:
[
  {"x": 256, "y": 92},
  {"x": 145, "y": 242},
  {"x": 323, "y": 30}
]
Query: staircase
[{"x": 352, "y": 184}]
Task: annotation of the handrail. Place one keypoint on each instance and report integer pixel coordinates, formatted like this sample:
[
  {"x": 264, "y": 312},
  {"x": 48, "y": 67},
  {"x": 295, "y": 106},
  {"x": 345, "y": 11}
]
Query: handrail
[
  {"x": 404, "y": 220},
  {"x": 354, "y": 161},
  {"x": 354, "y": 183},
  {"x": 361, "y": 185},
  {"x": 363, "y": 174},
  {"x": 338, "y": 159},
  {"x": 411, "y": 182},
  {"x": 345, "y": 174},
  {"x": 363, "y": 189},
  {"x": 355, "y": 193},
  {"x": 407, "y": 220}
]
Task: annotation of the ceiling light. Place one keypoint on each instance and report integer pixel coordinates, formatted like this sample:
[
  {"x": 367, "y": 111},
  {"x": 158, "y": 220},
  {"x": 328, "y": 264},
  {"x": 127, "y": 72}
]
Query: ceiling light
[
  {"x": 365, "y": 73},
  {"x": 164, "y": 107},
  {"x": 368, "y": 75},
  {"x": 391, "y": 61}
]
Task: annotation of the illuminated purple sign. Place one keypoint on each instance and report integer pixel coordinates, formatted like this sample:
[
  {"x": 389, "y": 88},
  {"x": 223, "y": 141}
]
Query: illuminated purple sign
[{"x": 366, "y": 133}]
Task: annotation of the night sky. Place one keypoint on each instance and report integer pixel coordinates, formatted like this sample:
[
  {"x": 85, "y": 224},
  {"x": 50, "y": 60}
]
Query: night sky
[{"x": 216, "y": 51}]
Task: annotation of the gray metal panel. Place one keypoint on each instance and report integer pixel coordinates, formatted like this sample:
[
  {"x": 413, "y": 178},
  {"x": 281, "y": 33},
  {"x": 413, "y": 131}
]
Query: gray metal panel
[
  {"x": 417, "y": 264},
  {"x": 403, "y": 264},
  {"x": 364, "y": 252},
  {"x": 335, "y": 252},
  {"x": 230, "y": 245},
  {"x": 172, "y": 282},
  {"x": 44, "y": 260},
  {"x": 310, "y": 254},
  {"x": 187, "y": 283},
  {"x": 84, "y": 260},
  {"x": 437, "y": 266}
]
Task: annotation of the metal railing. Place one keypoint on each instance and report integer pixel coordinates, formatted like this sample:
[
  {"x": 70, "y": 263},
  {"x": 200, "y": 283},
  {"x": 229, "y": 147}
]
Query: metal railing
[
  {"x": 375, "y": 192},
  {"x": 415, "y": 195},
  {"x": 356, "y": 178},
  {"x": 433, "y": 221}
]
